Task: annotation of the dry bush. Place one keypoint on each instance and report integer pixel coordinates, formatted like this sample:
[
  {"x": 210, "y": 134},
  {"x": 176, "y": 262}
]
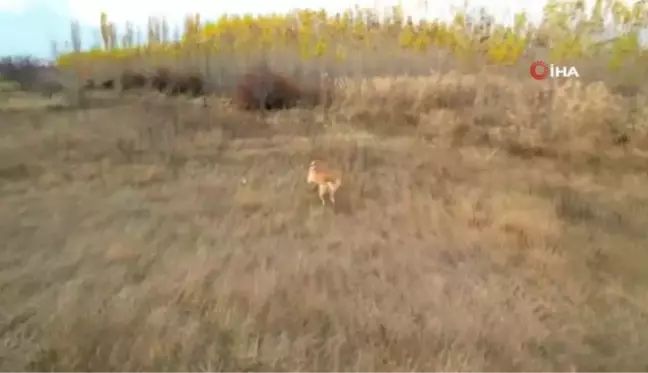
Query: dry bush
[
  {"x": 174, "y": 83},
  {"x": 524, "y": 117},
  {"x": 108, "y": 84},
  {"x": 31, "y": 74},
  {"x": 263, "y": 88},
  {"x": 161, "y": 79},
  {"x": 132, "y": 80},
  {"x": 187, "y": 83}
]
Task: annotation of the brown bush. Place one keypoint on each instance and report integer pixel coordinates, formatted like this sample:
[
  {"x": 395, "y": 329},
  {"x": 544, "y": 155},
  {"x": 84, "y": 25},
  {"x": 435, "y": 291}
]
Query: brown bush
[
  {"x": 132, "y": 80},
  {"x": 108, "y": 84},
  {"x": 192, "y": 84},
  {"x": 262, "y": 88},
  {"x": 175, "y": 83},
  {"x": 161, "y": 79}
]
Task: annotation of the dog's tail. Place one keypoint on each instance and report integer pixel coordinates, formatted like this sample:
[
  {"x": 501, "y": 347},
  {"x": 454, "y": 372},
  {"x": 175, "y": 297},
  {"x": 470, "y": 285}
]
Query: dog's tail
[{"x": 334, "y": 184}]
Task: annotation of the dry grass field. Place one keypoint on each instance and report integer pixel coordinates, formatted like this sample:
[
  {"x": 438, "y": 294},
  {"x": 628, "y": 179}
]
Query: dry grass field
[{"x": 484, "y": 223}]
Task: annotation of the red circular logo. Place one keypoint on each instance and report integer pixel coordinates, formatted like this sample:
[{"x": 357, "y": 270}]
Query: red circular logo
[{"x": 539, "y": 70}]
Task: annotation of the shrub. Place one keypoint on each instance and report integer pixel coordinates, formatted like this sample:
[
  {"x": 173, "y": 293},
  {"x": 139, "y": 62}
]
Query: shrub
[
  {"x": 261, "y": 88},
  {"x": 31, "y": 74},
  {"x": 132, "y": 80}
]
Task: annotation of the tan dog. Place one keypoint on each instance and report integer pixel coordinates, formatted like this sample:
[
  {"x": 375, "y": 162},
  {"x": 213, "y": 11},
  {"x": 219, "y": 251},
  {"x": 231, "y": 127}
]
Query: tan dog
[{"x": 328, "y": 181}]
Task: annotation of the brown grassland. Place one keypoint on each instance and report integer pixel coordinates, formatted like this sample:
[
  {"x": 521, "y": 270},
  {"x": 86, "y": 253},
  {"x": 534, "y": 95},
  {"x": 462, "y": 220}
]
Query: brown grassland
[{"x": 486, "y": 222}]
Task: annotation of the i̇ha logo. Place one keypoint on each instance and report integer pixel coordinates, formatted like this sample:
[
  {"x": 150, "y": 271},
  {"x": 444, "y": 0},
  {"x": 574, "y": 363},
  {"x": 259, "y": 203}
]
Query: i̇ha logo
[{"x": 540, "y": 70}]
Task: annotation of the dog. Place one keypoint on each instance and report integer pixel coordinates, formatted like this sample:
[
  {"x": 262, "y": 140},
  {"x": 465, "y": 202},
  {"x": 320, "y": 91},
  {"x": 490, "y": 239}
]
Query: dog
[{"x": 326, "y": 180}]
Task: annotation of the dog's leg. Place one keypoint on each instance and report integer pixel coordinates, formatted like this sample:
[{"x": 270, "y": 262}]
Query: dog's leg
[{"x": 322, "y": 193}]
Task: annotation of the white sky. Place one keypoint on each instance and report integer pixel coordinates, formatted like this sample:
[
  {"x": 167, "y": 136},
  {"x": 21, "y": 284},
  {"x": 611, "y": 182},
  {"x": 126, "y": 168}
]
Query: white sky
[
  {"x": 12, "y": 5},
  {"x": 138, "y": 10}
]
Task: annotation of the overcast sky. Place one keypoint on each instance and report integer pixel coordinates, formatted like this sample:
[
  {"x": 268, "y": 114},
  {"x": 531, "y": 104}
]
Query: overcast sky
[{"x": 121, "y": 10}]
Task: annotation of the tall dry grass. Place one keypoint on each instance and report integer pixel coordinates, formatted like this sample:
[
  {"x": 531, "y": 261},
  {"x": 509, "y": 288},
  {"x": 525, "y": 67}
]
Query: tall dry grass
[{"x": 485, "y": 223}]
